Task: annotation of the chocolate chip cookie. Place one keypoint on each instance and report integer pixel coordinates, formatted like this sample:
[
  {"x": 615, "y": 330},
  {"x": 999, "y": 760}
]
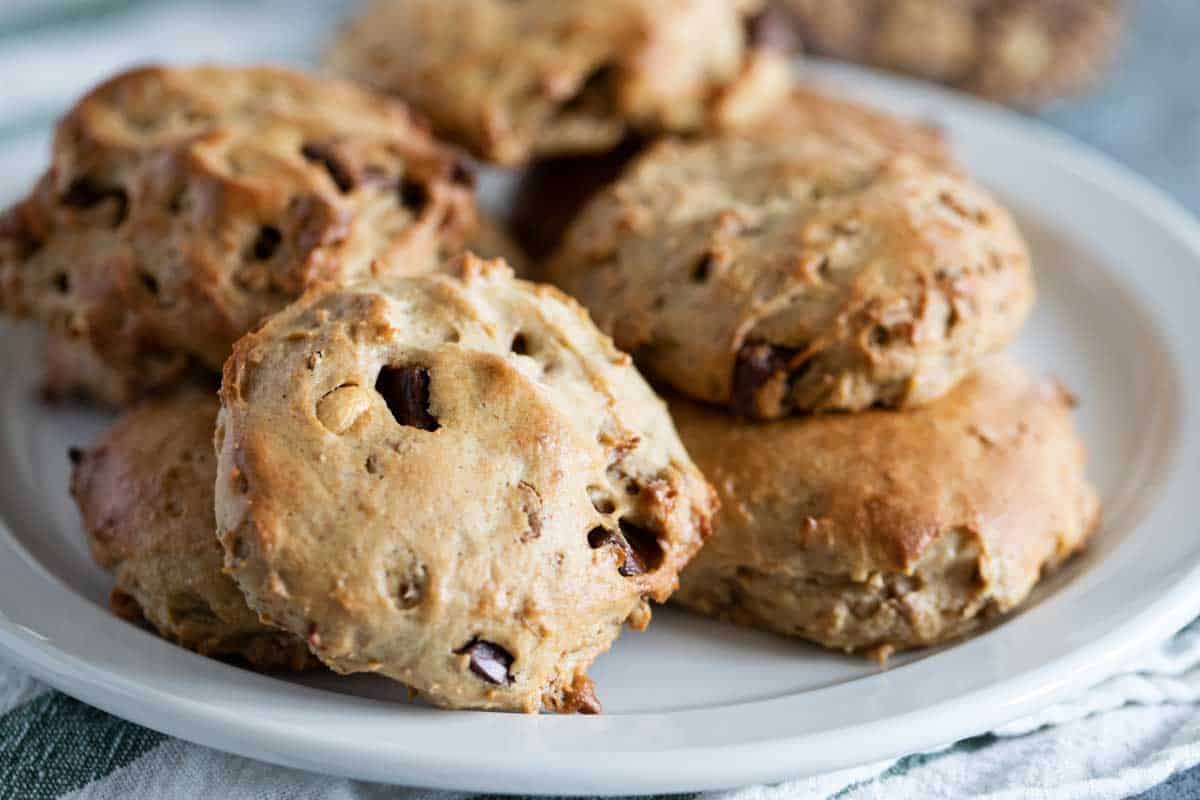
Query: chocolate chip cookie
[
  {"x": 184, "y": 205},
  {"x": 145, "y": 492},
  {"x": 453, "y": 481},
  {"x": 513, "y": 79},
  {"x": 888, "y": 530},
  {"x": 1019, "y": 51},
  {"x": 825, "y": 259}
]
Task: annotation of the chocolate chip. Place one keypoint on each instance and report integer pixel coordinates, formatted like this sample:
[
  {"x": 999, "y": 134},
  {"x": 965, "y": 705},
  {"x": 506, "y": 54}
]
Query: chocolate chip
[
  {"x": 149, "y": 282},
  {"x": 756, "y": 366},
  {"x": 87, "y": 193},
  {"x": 489, "y": 661},
  {"x": 267, "y": 242},
  {"x": 638, "y": 549},
  {"x": 772, "y": 30},
  {"x": 62, "y": 283},
  {"x": 462, "y": 174},
  {"x": 644, "y": 544},
  {"x": 414, "y": 195},
  {"x": 406, "y": 392},
  {"x": 703, "y": 268},
  {"x": 339, "y": 169},
  {"x": 75, "y": 454},
  {"x": 520, "y": 345}
]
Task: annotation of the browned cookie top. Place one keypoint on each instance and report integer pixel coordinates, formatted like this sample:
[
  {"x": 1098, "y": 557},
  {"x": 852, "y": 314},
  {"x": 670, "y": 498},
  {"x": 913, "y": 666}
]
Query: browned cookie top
[
  {"x": 829, "y": 258},
  {"x": 1022, "y": 51},
  {"x": 184, "y": 204},
  {"x": 514, "y": 79}
]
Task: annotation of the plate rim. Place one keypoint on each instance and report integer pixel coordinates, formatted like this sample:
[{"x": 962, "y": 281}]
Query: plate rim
[{"x": 661, "y": 770}]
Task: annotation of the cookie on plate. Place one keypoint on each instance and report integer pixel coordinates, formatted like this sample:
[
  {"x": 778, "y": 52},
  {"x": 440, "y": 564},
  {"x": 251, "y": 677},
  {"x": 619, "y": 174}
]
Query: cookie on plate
[
  {"x": 183, "y": 205},
  {"x": 453, "y": 481},
  {"x": 511, "y": 80},
  {"x": 145, "y": 493},
  {"x": 1024, "y": 52},
  {"x": 888, "y": 530},
  {"x": 821, "y": 260}
]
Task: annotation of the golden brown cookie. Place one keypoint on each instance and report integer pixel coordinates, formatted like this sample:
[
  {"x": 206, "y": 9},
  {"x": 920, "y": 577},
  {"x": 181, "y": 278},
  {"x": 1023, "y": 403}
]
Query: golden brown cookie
[
  {"x": 887, "y": 530},
  {"x": 830, "y": 258},
  {"x": 453, "y": 481},
  {"x": 184, "y": 205},
  {"x": 1017, "y": 51},
  {"x": 145, "y": 492},
  {"x": 511, "y": 80}
]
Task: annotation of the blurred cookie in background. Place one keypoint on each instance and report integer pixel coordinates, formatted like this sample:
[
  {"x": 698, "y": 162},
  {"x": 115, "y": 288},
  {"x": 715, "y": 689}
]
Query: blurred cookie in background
[
  {"x": 1023, "y": 52},
  {"x": 512, "y": 81}
]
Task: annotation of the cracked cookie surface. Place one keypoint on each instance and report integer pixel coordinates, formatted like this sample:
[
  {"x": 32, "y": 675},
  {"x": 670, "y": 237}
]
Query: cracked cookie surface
[
  {"x": 888, "y": 530},
  {"x": 511, "y": 80},
  {"x": 183, "y": 205},
  {"x": 145, "y": 493},
  {"x": 828, "y": 258},
  {"x": 455, "y": 481}
]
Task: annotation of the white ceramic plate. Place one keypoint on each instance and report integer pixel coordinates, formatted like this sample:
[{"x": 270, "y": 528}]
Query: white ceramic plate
[{"x": 691, "y": 704}]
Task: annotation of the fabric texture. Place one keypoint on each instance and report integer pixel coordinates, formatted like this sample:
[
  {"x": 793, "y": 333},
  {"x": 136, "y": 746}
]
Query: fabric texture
[{"x": 1136, "y": 732}]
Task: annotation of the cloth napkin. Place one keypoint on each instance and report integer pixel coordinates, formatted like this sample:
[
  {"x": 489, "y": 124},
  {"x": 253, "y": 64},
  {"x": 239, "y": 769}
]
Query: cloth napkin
[{"x": 1121, "y": 737}]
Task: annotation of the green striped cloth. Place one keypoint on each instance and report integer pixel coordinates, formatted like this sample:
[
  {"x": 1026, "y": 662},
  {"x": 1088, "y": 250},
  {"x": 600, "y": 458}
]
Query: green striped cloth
[{"x": 1125, "y": 736}]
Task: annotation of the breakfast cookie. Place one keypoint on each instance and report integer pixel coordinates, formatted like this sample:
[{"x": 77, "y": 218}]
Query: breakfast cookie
[
  {"x": 184, "y": 205},
  {"x": 145, "y": 492},
  {"x": 809, "y": 263},
  {"x": 1019, "y": 51},
  {"x": 455, "y": 481},
  {"x": 511, "y": 80},
  {"x": 887, "y": 530}
]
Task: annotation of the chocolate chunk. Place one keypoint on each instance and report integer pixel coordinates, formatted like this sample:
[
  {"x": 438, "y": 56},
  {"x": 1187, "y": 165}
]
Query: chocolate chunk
[
  {"x": 772, "y": 30},
  {"x": 703, "y": 268},
  {"x": 414, "y": 195},
  {"x": 638, "y": 549},
  {"x": 87, "y": 193},
  {"x": 489, "y": 661},
  {"x": 756, "y": 366},
  {"x": 462, "y": 174},
  {"x": 75, "y": 454},
  {"x": 267, "y": 242},
  {"x": 339, "y": 169},
  {"x": 406, "y": 392}
]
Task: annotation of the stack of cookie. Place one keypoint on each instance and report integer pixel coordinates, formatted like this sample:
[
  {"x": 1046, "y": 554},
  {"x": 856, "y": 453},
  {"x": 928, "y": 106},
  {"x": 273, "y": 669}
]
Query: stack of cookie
[{"x": 419, "y": 466}]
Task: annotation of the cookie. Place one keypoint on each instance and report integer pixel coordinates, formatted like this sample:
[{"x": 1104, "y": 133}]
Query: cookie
[
  {"x": 511, "y": 80},
  {"x": 145, "y": 494},
  {"x": 887, "y": 530},
  {"x": 830, "y": 258},
  {"x": 1019, "y": 51},
  {"x": 453, "y": 481},
  {"x": 184, "y": 205}
]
